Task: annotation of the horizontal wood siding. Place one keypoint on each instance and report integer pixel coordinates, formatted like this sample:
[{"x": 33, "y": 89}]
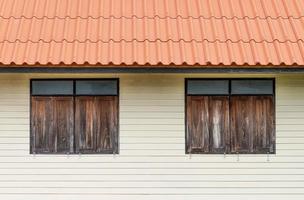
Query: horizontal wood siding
[{"x": 152, "y": 163}]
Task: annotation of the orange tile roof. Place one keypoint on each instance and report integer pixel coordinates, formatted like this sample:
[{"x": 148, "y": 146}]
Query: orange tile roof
[{"x": 152, "y": 32}]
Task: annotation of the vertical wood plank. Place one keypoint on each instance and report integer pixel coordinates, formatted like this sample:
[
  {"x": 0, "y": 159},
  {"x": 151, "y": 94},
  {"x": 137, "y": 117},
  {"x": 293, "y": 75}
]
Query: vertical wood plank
[
  {"x": 219, "y": 124},
  {"x": 265, "y": 132},
  {"x": 106, "y": 124},
  {"x": 64, "y": 124},
  {"x": 197, "y": 124},
  {"x": 240, "y": 123},
  {"x": 41, "y": 118},
  {"x": 84, "y": 119}
]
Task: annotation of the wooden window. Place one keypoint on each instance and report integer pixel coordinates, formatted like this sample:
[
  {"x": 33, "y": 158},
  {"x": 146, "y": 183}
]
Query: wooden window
[
  {"x": 69, "y": 117},
  {"x": 241, "y": 120}
]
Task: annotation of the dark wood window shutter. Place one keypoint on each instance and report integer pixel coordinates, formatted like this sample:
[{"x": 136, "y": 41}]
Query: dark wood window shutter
[
  {"x": 52, "y": 124},
  {"x": 252, "y": 124},
  {"x": 96, "y": 124},
  {"x": 207, "y": 124}
]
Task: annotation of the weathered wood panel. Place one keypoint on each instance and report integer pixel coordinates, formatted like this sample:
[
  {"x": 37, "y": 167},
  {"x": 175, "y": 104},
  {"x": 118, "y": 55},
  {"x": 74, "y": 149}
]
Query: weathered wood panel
[
  {"x": 96, "y": 124},
  {"x": 207, "y": 124},
  {"x": 52, "y": 124},
  {"x": 252, "y": 124}
]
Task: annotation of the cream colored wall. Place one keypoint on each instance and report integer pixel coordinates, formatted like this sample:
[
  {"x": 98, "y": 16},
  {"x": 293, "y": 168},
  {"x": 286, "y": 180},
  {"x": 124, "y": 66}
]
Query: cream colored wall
[{"x": 152, "y": 163}]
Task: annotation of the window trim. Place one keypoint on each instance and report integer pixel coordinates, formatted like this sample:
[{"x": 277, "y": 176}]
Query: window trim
[
  {"x": 229, "y": 95},
  {"x": 115, "y": 151}
]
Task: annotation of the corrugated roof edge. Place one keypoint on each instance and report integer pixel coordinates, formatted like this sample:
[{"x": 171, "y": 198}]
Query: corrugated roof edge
[{"x": 184, "y": 65}]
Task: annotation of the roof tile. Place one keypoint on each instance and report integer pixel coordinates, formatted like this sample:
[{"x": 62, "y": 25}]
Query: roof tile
[
  {"x": 192, "y": 32},
  {"x": 166, "y": 29}
]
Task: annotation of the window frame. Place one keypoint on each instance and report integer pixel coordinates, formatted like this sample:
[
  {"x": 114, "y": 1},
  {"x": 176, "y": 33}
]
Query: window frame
[
  {"x": 228, "y": 95},
  {"x": 116, "y": 150}
]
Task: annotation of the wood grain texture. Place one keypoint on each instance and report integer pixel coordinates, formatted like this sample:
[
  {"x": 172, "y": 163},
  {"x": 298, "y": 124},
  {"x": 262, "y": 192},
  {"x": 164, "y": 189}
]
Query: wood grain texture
[
  {"x": 252, "y": 124},
  {"x": 96, "y": 124},
  {"x": 52, "y": 125},
  {"x": 207, "y": 124}
]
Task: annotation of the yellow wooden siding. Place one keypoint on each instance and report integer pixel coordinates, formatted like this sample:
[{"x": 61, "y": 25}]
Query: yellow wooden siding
[{"x": 152, "y": 163}]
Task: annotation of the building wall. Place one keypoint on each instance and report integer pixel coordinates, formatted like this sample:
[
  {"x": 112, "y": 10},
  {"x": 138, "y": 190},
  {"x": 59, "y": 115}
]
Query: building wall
[{"x": 152, "y": 163}]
